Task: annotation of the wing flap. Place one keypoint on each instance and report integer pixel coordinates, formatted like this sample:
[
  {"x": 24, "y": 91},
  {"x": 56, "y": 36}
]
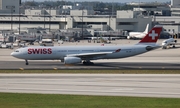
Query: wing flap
[
  {"x": 89, "y": 55},
  {"x": 92, "y": 55}
]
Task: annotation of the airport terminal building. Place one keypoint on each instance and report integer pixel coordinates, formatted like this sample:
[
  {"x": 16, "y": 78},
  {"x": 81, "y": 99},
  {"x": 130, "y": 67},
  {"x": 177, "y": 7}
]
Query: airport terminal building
[{"x": 13, "y": 16}]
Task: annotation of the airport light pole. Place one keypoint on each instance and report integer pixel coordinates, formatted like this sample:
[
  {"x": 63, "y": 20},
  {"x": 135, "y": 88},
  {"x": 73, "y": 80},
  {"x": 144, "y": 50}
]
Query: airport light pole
[
  {"x": 19, "y": 16},
  {"x": 19, "y": 21},
  {"x": 50, "y": 16},
  {"x": 109, "y": 27},
  {"x": 82, "y": 23},
  {"x": 109, "y": 22},
  {"x": 65, "y": 14},
  {"x": 11, "y": 8},
  {"x": 50, "y": 19},
  {"x": 44, "y": 16},
  {"x": 112, "y": 7},
  {"x": 11, "y": 20}
]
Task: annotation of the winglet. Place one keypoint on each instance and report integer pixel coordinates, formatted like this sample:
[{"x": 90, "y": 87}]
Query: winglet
[{"x": 153, "y": 35}]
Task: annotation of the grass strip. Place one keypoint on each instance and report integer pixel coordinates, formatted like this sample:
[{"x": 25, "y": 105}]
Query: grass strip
[
  {"x": 95, "y": 71},
  {"x": 13, "y": 100}
]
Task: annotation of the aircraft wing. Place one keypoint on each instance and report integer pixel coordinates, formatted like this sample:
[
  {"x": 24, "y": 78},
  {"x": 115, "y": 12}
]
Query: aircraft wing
[
  {"x": 91, "y": 55},
  {"x": 177, "y": 43}
]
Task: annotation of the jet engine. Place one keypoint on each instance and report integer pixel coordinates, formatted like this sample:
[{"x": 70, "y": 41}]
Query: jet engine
[
  {"x": 128, "y": 37},
  {"x": 72, "y": 60},
  {"x": 148, "y": 48}
]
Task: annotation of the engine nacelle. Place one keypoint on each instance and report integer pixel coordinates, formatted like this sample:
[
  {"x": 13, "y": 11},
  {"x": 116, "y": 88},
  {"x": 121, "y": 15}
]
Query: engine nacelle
[{"x": 72, "y": 60}]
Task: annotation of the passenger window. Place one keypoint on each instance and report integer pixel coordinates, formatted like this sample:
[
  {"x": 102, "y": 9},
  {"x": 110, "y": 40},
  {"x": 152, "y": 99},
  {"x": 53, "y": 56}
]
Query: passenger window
[{"x": 17, "y": 51}]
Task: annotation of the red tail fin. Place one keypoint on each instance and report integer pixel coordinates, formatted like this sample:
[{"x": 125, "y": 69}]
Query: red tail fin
[{"x": 153, "y": 35}]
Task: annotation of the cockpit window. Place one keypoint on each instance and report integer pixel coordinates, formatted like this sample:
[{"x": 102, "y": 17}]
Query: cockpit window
[{"x": 16, "y": 50}]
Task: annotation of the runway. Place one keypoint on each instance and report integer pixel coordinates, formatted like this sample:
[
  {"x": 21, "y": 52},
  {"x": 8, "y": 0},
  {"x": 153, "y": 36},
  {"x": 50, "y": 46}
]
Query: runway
[
  {"x": 99, "y": 65},
  {"x": 140, "y": 85},
  {"x": 96, "y": 84}
]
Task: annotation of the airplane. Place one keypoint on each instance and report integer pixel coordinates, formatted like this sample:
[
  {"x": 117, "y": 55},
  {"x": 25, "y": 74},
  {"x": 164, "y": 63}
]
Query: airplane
[
  {"x": 138, "y": 35},
  {"x": 77, "y": 54},
  {"x": 105, "y": 38},
  {"x": 169, "y": 42}
]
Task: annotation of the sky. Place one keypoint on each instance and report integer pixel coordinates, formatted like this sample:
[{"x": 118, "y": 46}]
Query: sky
[{"x": 121, "y": 1}]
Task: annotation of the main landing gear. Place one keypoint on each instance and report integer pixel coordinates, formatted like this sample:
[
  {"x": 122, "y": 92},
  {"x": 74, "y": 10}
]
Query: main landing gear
[
  {"x": 88, "y": 62},
  {"x": 27, "y": 62}
]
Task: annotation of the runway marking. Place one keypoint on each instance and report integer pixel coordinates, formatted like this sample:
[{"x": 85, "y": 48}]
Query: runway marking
[
  {"x": 69, "y": 65},
  {"x": 55, "y": 60},
  {"x": 123, "y": 89},
  {"x": 55, "y": 68},
  {"x": 67, "y": 90},
  {"x": 21, "y": 68},
  {"x": 61, "y": 91}
]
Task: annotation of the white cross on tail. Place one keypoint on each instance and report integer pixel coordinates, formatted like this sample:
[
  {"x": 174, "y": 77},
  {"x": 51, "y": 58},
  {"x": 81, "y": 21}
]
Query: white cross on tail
[{"x": 153, "y": 34}]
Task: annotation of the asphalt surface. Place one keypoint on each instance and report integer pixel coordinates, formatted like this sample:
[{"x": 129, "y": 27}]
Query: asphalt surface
[
  {"x": 98, "y": 65},
  {"x": 96, "y": 84},
  {"x": 141, "y": 85}
]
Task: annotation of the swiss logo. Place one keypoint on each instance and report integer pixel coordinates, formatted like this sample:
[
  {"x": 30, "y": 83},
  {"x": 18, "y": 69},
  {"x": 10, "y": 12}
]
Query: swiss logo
[
  {"x": 153, "y": 35},
  {"x": 39, "y": 51}
]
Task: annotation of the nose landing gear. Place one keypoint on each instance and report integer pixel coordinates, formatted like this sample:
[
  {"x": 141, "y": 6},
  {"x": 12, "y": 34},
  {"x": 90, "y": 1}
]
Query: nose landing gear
[{"x": 27, "y": 62}]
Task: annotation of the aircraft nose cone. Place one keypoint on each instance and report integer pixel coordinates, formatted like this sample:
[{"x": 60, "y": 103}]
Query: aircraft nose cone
[
  {"x": 12, "y": 54},
  {"x": 163, "y": 44}
]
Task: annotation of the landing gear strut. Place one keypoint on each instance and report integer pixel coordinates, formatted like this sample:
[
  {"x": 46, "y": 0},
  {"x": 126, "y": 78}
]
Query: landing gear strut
[
  {"x": 88, "y": 62},
  {"x": 27, "y": 62},
  {"x": 62, "y": 61}
]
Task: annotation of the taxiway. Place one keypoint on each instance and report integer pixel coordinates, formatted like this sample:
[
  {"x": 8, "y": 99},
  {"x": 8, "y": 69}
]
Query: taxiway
[
  {"x": 141, "y": 85},
  {"x": 96, "y": 84}
]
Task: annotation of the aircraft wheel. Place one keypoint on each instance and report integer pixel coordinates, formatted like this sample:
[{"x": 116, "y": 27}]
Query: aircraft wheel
[
  {"x": 84, "y": 63},
  {"x": 27, "y": 62},
  {"x": 91, "y": 63},
  {"x": 62, "y": 61},
  {"x": 88, "y": 63},
  {"x": 173, "y": 46},
  {"x": 164, "y": 47}
]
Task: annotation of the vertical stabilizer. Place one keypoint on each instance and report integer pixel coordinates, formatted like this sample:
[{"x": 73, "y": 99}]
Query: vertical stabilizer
[
  {"x": 147, "y": 28},
  {"x": 152, "y": 36}
]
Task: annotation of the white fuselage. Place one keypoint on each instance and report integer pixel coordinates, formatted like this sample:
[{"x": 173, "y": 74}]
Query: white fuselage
[
  {"x": 138, "y": 35},
  {"x": 104, "y": 38},
  {"x": 59, "y": 52},
  {"x": 168, "y": 42}
]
